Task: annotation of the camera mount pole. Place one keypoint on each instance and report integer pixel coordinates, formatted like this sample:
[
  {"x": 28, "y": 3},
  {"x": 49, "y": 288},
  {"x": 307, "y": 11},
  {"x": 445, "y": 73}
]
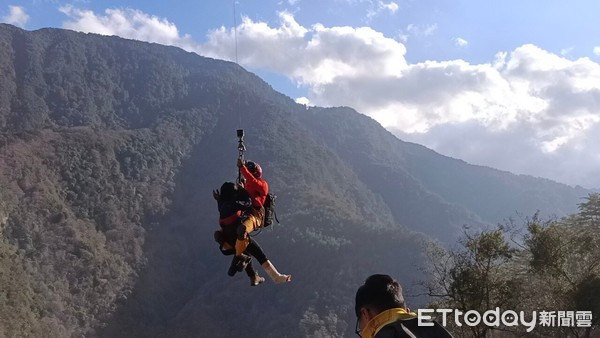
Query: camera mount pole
[{"x": 241, "y": 150}]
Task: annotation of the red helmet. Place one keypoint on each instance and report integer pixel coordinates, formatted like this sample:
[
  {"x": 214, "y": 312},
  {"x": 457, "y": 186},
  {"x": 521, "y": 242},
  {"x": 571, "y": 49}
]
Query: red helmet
[{"x": 254, "y": 168}]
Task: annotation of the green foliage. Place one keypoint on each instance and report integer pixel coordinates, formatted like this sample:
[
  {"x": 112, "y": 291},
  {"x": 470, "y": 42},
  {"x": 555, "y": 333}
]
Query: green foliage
[
  {"x": 474, "y": 277},
  {"x": 548, "y": 254},
  {"x": 589, "y": 212},
  {"x": 314, "y": 326},
  {"x": 555, "y": 267}
]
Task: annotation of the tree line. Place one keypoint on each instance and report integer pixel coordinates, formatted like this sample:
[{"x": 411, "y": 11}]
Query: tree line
[{"x": 547, "y": 268}]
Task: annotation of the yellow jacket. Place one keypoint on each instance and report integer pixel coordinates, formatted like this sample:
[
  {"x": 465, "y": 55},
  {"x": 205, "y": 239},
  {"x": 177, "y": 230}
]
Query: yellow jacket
[{"x": 384, "y": 318}]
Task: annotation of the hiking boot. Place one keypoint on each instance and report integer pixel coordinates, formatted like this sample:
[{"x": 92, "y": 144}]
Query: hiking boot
[
  {"x": 256, "y": 279},
  {"x": 243, "y": 260},
  {"x": 238, "y": 264},
  {"x": 232, "y": 268}
]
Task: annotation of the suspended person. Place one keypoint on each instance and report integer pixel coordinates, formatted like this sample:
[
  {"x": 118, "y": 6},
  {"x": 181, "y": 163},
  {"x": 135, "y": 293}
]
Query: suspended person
[
  {"x": 232, "y": 201},
  {"x": 254, "y": 216},
  {"x": 231, "y": 205}
]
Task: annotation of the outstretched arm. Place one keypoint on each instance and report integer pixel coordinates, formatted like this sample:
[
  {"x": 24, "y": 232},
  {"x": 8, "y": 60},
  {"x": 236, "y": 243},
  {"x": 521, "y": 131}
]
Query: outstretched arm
[{"x": 248, "y": 175}]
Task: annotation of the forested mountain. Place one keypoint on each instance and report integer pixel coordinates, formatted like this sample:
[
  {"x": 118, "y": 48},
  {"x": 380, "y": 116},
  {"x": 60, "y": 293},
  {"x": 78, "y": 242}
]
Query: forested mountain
[{"x": 109, "y": 151}]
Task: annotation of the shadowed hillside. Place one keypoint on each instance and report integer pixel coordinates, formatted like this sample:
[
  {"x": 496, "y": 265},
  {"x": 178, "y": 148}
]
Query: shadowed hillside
[
  {"x": 109, "y": 150},
  {"x": 409, "y": 175}
]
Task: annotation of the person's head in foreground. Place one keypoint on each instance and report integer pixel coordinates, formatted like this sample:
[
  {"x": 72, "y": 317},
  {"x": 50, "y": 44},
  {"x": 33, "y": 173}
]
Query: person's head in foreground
[{"x": 381, "y": 312}]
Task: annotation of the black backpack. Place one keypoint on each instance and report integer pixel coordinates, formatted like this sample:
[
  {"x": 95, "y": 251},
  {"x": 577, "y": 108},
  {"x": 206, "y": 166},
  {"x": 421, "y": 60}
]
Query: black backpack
[{"x": 269, "y": 206}]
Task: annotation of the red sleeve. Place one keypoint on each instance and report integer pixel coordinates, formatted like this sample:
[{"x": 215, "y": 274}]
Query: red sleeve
[
  {"x": 258, "y": 188},
  {"x": 248, "y": 175}
]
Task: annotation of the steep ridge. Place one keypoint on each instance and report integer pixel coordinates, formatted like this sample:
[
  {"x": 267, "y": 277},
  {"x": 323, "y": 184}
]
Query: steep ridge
[
  {"x": 475, "y": 193},
  {"x": 373, "y": 154}
]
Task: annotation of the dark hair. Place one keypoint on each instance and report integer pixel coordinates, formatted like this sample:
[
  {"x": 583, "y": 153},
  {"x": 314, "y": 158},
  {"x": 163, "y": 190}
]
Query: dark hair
[
  {"x": 228, "y": 191},
  {"x": 380, "y": 292}
]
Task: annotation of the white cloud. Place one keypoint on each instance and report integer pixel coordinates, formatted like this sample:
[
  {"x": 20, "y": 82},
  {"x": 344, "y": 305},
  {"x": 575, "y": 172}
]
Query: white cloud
[
  {"x": 390, "y": 7},
  {"x": 303, "y": 100},
  {"x": 461, "y": 42},
  {"x": 127, "y": 23},
  {"x": 429, "y": 30},
  {"x": 566, "y": 51},
  {"x": 289, "y": 2},
  {"x": 524, "y": 112},
  {"x": 381, "y": 7},
  {"x": 529, "y": 111},
  {"x": 597, "y": 50},
  {"x": 17, "y": 16},
  {"x": 544, "y": 120},
  {"x": 418, "y": 31},
  {"x": 311, "y": 56}
]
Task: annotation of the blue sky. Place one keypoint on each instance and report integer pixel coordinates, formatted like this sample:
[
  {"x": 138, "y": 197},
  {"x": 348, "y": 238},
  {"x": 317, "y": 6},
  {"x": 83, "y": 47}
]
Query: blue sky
[{"x": 510, "y": 84}]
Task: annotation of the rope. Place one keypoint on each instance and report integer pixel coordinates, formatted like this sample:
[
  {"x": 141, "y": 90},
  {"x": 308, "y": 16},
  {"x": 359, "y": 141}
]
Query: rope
[
  {"x": 235, "y": 32},
  {"x": 241, "y": 150},
  {"x": 240, "y": 131},
  {"x": 236, "y": 59}
]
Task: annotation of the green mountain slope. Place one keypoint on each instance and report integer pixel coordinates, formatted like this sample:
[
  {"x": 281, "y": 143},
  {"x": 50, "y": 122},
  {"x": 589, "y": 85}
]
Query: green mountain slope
[{"x": 409, "y": 175}]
